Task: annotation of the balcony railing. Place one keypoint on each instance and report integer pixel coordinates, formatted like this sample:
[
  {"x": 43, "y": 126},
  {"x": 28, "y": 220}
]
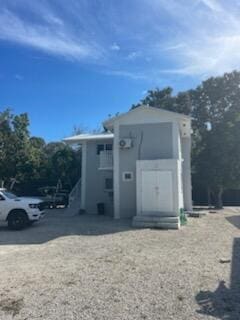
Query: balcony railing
[{"x": 106, "y": 160}]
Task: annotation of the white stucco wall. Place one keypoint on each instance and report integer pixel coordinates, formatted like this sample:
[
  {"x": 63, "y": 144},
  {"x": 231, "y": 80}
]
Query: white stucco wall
[{"x": 93, "y": 180}]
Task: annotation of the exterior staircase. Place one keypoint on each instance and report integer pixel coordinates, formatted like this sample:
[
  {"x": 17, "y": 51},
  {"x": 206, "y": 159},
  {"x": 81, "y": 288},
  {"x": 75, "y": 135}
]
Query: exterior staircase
[
  {"x": 156, "y": 221},
  {"x": 75, "y": 198}
]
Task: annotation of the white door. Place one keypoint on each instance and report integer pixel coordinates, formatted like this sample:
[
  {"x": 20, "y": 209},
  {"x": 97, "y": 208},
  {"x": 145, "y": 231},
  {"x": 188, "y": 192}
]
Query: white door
[{"x": 157, "y": 191}]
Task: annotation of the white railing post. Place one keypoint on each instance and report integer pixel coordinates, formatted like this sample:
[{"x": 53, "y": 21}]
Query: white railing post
[{"x": 106, "y": 159}]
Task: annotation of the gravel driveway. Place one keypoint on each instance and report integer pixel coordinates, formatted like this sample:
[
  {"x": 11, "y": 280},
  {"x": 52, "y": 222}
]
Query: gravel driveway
[{"x": 83, "y": 267}]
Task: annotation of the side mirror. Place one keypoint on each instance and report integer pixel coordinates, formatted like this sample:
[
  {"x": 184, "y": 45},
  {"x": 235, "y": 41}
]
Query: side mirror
[{"x": 2, "y": 198}]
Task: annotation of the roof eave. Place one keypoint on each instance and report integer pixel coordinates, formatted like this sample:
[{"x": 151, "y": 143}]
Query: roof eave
[
  {"x": 80, "y": 139},
  {"x": 109, "y": 123}
]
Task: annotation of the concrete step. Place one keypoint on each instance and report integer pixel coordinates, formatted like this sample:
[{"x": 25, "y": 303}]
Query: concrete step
[
  {"x": 75, "y": 202},
  {"x": 197, "y": 214},
  {"x": 161, "y": 222}
]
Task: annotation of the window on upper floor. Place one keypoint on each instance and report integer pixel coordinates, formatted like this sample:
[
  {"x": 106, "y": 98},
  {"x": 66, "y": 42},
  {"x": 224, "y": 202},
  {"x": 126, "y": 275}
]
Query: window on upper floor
[
  {"x": 102, "y": 147},
  {"x": 108, "y": 184},
  {"x": 109, "y": 146}
]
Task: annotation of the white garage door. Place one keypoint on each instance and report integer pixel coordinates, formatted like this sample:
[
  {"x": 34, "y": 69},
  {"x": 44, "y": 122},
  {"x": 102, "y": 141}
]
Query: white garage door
[{"x": 157, "y": 191}]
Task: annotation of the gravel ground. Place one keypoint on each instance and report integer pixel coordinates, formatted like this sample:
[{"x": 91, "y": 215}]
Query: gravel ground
[{"x": 83, "y": 267}]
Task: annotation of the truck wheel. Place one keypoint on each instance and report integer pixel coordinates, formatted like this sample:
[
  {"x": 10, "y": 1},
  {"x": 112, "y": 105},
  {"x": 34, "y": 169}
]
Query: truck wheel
[{"x": 17, "y": 220}]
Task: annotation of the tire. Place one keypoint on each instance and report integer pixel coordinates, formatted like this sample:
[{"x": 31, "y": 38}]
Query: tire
[{"x": 18, "y": 220}]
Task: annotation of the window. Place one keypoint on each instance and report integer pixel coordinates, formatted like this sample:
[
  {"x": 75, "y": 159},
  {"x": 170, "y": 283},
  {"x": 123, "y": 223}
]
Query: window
[
  {"x": 1, "y": 198},
  {"x": 109, "y": 146},
  {"x": 127, "y": 176},
  {"x": 9, "y": 195},
  {"x": 108, "y": 184},
  {"x": 102, "y": 147}
]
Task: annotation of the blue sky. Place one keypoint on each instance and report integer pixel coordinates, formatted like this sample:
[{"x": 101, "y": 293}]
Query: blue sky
[{"x": 72, "y": 63}]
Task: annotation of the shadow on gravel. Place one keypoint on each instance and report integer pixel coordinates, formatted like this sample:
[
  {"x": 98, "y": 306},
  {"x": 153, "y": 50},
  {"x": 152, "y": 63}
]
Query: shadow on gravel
[
  {"x": 224, "y": 302},
  {"x": 58, "y": 223},
  {"x": 235, "y": 220}
]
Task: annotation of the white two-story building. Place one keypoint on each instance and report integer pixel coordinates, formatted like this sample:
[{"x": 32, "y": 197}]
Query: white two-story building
[{"x": 139, "y": 168}]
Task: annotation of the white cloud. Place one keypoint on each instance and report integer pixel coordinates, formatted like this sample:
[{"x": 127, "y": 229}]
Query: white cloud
[
  {"x": 212, "y": 56},
  {"x": 192, "y": 38},
  {"x": 115, "y": 47},
  {"x": 212, "y": 4},
  {"x": 207, "y": 41},
  {"x": 53, "y": 20},
  {"x": 133, "y": 55},
  {"x": 127, "y": 74},
  {"x": 49, "y": 38}
]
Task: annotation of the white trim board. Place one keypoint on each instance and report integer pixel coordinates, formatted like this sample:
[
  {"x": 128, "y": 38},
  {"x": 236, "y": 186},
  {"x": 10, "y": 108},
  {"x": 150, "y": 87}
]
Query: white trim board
[
  {"x": 84, "y": 175},
  {"x": 116, "y": 173}
]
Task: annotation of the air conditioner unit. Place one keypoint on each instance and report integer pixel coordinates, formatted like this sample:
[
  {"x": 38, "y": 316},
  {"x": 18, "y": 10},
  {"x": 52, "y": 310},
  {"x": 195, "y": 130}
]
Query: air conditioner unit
[{"x": 125, "y": 143}]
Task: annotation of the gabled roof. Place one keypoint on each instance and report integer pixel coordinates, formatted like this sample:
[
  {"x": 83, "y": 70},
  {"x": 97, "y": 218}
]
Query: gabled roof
[
  {"x": 109, "y": 122},
  {"x": 88, "y": 137}
]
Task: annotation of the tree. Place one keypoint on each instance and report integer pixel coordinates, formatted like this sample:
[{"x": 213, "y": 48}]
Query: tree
[
  {"x": 19, "y": 157},
  {"x": 6, "y": 145},
  {"x": 78, "y": 130},
  {"x": 65, "y": 165},
  {"x": 158, "y": 99},
  {"x": 29, "y": 160},
  {"x": 216, "y": 155},
  {"x": 164, "y": 99},
  {"x": 37, "y": 142}
]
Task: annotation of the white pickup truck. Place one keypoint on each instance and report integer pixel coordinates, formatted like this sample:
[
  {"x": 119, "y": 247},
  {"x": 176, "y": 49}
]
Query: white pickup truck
[{"x": 19, "y": 212}]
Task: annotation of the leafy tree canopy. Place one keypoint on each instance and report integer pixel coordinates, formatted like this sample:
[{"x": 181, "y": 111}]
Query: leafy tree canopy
[{"x": 29, "y": 160}]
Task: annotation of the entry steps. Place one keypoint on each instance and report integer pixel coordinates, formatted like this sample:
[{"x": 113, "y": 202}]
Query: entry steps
[{"x": 156, "y": 221}]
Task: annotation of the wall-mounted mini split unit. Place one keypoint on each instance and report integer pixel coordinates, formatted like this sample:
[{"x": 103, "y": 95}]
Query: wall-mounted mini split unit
[{"x": 125, "y": 143}]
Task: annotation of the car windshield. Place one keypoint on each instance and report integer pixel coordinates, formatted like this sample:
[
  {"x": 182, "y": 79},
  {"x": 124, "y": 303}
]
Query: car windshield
[{"x": 9, "y": 195}]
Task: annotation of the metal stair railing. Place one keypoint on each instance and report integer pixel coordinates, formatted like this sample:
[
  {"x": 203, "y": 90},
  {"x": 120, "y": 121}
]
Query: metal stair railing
[{"x": 75, "y": 193}]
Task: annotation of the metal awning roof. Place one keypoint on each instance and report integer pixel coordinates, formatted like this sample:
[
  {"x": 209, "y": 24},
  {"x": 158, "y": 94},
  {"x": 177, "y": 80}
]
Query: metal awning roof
[{"x": 88, "y": 137}]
